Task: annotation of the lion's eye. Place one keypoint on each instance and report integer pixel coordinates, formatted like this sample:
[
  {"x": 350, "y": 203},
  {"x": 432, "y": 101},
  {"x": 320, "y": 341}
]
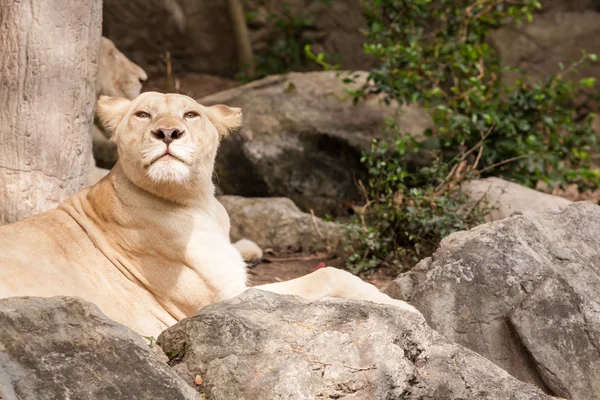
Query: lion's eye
[
  {"x": 190, "y": 115},
  {"x": 142, "y": 114}
]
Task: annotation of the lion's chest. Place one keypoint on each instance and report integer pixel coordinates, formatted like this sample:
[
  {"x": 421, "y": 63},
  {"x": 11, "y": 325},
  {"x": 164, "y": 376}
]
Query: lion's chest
[{"x": 208, "y": 270}]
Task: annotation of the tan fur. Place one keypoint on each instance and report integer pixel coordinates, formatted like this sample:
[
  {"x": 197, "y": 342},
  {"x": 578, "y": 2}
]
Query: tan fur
[
  {"x": 117, "y": 75},
  {"x": 149, "y": 243}
]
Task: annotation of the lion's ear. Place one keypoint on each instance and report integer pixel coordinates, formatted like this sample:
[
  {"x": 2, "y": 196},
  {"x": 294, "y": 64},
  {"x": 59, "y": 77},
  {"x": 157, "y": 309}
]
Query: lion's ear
[
  {"x": 110, "y": 111},
  {"x": 225, "y": 119}
]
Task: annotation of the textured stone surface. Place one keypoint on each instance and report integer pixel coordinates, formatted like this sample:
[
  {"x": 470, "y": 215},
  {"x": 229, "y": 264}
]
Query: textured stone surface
[
  {"x": 65, "y": 348},
  {"x": 200, "y": 37},
  {"x": 278, "y": 224},
  {"x": 262, "y": 345},
  {"x": 522, "y": 292},
  {"x": 556, "y": 35},
  {"x": 302, "y": 138},
  {"x": 505, "y": 197},
  {"x": 562, "y": 333}
]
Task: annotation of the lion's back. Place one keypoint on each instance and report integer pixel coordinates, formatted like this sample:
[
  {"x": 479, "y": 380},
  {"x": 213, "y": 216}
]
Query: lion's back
[{"x": 45, "y": 255}]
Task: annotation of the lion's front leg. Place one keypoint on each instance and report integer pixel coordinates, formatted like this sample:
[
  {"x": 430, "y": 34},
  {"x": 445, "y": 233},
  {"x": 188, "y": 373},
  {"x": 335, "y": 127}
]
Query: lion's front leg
[
  {"x": 251, "y": 253},
  {"x": 333, "y": 282}
]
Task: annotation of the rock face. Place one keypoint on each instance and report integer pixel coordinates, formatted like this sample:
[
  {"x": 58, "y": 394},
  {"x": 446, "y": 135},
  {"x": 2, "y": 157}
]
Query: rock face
[
  {"x": 302, "y": 138},
  {"x": 557, "y": 34},
  {"x": 278, "y": 224},
  {"x": 200, "y": 37},
  {"x": 263, "y": 345},
  {"x": 522, "y": 292},
  {"x": 505, "y": 197},
  {"x": 61, "y": 348}
]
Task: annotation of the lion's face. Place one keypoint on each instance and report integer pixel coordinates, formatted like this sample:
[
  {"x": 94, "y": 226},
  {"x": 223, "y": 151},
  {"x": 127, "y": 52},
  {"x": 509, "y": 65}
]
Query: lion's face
[
  {"x": 166, "y": 139},
  {"x": 117, "y": 75}
]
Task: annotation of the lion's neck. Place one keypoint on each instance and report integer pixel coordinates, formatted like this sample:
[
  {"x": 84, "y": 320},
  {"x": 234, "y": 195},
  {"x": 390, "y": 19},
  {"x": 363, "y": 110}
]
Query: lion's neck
[
  {"x": 149, "y": 239},
  {"x": 195, "y": 192}
]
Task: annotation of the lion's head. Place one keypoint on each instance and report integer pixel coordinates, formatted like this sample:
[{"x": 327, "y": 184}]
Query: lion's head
[
  {"x": 117, "y": 75},
  {"x": 166, "y": 142}
]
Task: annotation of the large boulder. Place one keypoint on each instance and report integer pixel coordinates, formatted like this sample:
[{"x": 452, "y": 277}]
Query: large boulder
[
  {"x": 522, "y": 292},
  {"x": 263, "y": 345},
  {"x": 277, "y": 223},
  {"x": 302, "y": 138},
  {"x": 65, "y": 348},
  {"x": 504, "y": 198}
]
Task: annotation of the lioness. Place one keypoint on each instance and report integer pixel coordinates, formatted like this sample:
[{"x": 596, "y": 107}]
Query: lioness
[
  {"x": 117, "y": 76},
  {"x": 149, "y": 243}
]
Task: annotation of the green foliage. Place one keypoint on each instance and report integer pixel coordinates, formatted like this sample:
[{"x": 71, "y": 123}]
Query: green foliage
[
  {"x": 409, "y": 210},
  {"x": 319, "y": 59},
  {"x": 436, "y": 53},
  {"x": 288, "y": 46}
]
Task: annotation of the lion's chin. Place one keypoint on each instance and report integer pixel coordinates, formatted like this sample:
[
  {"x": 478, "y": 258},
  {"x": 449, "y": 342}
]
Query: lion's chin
[{"x": 168, "y": 169}]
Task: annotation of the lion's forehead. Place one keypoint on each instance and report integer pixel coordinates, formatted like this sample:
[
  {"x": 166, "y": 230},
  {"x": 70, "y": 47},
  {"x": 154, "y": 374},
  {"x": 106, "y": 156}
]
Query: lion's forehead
[{"x": 174, "y": 104}]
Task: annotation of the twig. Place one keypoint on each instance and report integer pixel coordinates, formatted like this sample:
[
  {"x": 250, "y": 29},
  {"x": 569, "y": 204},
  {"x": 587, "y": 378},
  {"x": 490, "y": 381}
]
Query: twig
[
  {"x": 443, "y": 183},
  {"x": 314, "y": 221},
  {"x": 364, "y": 208},
  {"x": 482, "y": 141},
  {"x": 364, "y": 191},
  {"x": 361, "y": 368},
  {"x": 475, "y": 204},
  {"x": 299, "y": 258},
  {"x": 458, "y": 167},
  {"x": 476, "y": 163},
  {"x": 370, "y": 367},
  {"x": 502, "y": 163},
  {"x": 320, "y": 362}
]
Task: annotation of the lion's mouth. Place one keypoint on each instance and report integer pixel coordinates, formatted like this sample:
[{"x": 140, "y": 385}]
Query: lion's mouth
[{"x": 167, "y": 154}]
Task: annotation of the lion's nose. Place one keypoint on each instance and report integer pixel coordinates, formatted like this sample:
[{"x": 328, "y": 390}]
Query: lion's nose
[{"x": 167, "y": 135}]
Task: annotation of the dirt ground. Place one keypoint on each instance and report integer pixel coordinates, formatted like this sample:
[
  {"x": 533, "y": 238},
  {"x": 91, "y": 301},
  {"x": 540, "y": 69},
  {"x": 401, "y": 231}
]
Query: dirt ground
[{"x": 279, "y": 268}]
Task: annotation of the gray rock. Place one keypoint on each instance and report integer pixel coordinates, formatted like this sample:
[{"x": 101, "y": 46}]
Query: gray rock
[
  {"x": 278, "y": 224},
  {"x": 505, "y": 198},
  {"x": 302, "y": 138},
  {"x": 263, "y": 345},
  {"x": 200, "y": 36},
  {"x": 556, "y": 35},
  {"x": 562, "y": 334},
  {"x": 65, "y": 348},
  {"x": 522, "y": 292}
]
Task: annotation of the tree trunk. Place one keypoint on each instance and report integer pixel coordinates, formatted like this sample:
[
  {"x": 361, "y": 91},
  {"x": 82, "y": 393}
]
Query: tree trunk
[
  {"x": 48, "y": 63},
  {"x": 242, "y": 38}
]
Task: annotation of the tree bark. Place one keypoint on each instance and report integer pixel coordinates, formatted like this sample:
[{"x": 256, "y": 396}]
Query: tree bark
[
  {"x": 48, "y": 63},
  {"x": 242, "y": 38}
]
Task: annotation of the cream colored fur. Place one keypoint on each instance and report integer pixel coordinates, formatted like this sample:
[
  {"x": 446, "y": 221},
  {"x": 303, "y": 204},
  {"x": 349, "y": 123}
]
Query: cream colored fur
[
  {"x": 149, "y": 243},
  {"x": 120, "y": 77},
  {"x": 117, "y": 76}
]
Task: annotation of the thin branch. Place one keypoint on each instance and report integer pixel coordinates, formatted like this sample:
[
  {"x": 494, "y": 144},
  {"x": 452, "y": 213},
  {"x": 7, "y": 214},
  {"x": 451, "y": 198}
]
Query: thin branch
[
  {"x": 502, "y": 163},
  {"x": 314, "y": 221}
]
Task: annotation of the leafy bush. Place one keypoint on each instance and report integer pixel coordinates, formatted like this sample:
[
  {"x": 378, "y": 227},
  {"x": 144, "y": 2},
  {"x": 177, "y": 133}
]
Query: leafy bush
[
  {"x": 436, "y": 53},
  {"x": 290, "y": 36}
]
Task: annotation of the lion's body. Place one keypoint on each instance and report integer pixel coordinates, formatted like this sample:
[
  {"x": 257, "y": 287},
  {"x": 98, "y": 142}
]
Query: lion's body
[
  {"x": 91, "y": 247},
  {"x": 62, "y": 260},
  {"x": 149, "y": 243}
]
